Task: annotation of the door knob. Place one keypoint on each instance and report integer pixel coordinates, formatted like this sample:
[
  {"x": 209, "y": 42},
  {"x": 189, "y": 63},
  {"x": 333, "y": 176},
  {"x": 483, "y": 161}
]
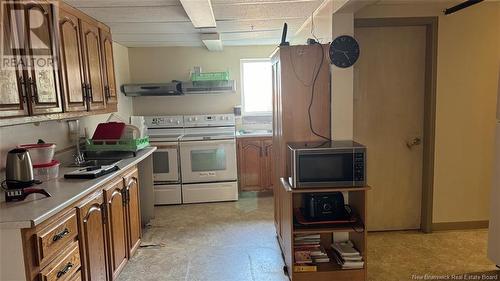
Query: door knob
[{"x": 415, "y": 141}]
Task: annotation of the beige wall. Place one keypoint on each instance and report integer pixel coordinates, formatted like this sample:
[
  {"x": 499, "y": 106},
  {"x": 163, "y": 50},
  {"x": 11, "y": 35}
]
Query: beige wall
[
  {"x": 174, "y": 63},
  {"x": 57, "y": 131},
  {"x": 467, "y": 81}
]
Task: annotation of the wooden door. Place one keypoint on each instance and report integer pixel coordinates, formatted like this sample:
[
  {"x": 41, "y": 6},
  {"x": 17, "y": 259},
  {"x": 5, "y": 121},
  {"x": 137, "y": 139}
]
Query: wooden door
[
  {"x": 389, "y": 120},
  {"x": 93, "y": 66},
  {"x": 12, "y": 91},
  {"x": 108, "y": 67},
  {"x": 251, "y": 168},
  {"x": 115, "y": 199},
  {"x": 43, "y": 77},
  {"x": 92, "y": 238},
  {"x": 71, "y": 62},
  {"x": 267, "y": 146},
  {"x": 133, "y": 212}
]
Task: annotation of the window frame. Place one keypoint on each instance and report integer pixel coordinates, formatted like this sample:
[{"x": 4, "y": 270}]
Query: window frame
[{"x": 242, "y": 93}]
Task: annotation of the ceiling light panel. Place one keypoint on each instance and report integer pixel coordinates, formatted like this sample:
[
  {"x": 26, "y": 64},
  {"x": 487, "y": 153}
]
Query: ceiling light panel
[
  {"x": 212, "y": 41},
  {"x": 200, "y": 12}
]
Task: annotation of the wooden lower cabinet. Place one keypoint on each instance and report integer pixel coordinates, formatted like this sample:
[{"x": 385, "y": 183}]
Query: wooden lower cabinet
[
  {"x": 92, "y": 221},
  {"x": 133, "y": 211},
  {"x": 115, "y": 199},
  {"x": 92, "y": 239},
  {"x": 255, "y": 164},
  {"x": 123, "y": 221}
]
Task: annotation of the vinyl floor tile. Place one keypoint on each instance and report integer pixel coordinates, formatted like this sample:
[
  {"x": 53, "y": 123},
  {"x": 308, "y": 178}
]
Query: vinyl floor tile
[{"x": 236, "y": 241}]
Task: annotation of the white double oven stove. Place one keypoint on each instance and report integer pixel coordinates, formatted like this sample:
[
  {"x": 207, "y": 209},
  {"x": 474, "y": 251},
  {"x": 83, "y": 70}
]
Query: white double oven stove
[{"x": 196, "y": 158}]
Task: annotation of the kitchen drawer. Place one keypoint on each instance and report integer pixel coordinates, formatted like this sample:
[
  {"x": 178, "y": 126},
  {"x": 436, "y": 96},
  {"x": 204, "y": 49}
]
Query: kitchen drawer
[
  {"x": 63, "y": 267},
  {"x": 209, "y": 192},
  {"x": 76, "y": 277},
  {"x": 168, "y": 194},
  {"x": 56, "y": 235}
]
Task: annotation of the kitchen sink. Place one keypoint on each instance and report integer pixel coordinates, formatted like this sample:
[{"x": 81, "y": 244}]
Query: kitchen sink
[{"x": 98, "y": 163}]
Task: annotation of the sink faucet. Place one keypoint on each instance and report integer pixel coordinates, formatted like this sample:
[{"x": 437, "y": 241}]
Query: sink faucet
[{"x": 79, "y": 158}]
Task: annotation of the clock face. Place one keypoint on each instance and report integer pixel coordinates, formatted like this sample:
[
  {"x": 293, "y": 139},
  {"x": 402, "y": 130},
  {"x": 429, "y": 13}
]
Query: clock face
[{"x": 344, "y": 51}]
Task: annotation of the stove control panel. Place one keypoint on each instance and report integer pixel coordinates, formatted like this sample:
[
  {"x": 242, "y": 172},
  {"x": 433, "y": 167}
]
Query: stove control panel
[
  {"x": 209, "y": 120},
  {"x": 164, "y": 121}
]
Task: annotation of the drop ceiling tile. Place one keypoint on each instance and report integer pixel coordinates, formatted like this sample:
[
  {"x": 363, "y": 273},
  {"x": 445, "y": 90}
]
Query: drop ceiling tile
[
  {"x": 265, "y": 11},
  {"x": 246, "y": 2},
  {"x": 251, "y": 42},
  {"x": 138, "y": 14},
  {"x": 120, "y": 3},
  {"x": 139, "y": 37},
  {"x": 249, "y": 25},
  {"x": 133, "y": 44},
  {"x": 252, "y": 35},
  {"x": 152, "y": 27}
]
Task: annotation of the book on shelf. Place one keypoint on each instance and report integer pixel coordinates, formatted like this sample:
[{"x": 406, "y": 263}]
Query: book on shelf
[
  {"x": 305, "y": 268},
  {"x": 302, "y": 257},
  {"x": 346, "y": 255},
  {"x": 308, "y": 250}
]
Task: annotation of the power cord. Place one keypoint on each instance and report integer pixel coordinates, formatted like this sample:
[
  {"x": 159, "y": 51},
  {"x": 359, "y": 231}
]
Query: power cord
[{"x": 312, "y": 94}]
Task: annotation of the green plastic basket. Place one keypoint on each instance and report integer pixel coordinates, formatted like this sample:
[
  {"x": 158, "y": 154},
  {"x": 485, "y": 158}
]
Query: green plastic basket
[
  {"x": 132, "y": 145},
  {"x": 210, "y": 76}
]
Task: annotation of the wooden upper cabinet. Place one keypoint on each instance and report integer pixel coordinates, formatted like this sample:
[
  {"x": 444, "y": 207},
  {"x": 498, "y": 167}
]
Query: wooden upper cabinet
[
  {"x": 92, "y": 229},
  {"x": 41, "y": 75},
  {"x": 12, "y": 90},
  {"x": 116, "y": 198},
  {"x": 71, "y": 62},
  {"x": 131, "y": 183},
  {"x": 108, "y": 67},
  {"x": 93, "y": 67}
]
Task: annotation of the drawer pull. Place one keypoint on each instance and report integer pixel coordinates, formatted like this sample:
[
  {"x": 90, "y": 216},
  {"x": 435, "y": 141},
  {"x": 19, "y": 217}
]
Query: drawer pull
[
  {"x": 65, "y": 270},
  {"x": 60, "y": 235}
]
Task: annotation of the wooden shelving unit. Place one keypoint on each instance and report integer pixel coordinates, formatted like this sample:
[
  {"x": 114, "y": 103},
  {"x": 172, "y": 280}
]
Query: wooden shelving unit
[{"x": 291, "y": 199}]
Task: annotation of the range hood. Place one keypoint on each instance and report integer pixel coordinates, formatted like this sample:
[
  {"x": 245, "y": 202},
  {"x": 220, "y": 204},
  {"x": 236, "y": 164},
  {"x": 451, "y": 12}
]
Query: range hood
[
  {"x": 158, "y": 89},
  {"x": 209, "y": 87}
]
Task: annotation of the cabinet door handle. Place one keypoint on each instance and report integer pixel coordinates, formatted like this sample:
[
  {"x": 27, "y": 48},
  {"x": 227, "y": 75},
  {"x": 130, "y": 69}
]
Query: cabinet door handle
[
  {"x": 104, "y": 210},
  {"x": 107, "y": 92},
  {"x": 65, "y": 270},
  {"x": 60, "y": 235},
  {"x": 34, "y": 90},
  {"x": 84, "y": 91},
  {"x": 89, "y": 87},
  {"x": 24, "y": 94}
]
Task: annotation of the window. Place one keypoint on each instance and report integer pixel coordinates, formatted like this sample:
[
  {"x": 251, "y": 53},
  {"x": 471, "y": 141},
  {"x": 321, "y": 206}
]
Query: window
[{"x": 256, "y": 86}]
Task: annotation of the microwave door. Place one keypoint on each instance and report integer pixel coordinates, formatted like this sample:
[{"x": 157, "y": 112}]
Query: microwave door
[
  {"x": 317, "y": 169},
  {"x": 165, "y": 163}
]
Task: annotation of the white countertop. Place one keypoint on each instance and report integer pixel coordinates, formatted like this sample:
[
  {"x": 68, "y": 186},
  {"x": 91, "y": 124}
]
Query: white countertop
[
  {"x": 35, "y": 209},
  {"x": 254, "y": 134}
]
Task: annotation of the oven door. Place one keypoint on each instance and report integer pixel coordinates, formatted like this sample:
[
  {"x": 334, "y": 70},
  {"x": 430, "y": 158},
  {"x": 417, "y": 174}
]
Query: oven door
[
  {"x": 208, "y": 161},
  {"x": 166, "y": 162}
]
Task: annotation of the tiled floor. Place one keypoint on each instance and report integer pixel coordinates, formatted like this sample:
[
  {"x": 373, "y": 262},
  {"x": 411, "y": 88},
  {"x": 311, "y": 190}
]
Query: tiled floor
[{"x": 236, "y": 241}]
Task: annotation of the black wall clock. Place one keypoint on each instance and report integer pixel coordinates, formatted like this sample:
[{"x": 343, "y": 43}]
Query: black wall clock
[{"x": 344, "y": 51}]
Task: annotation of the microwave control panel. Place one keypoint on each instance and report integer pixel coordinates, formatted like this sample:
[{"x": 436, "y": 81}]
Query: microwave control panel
[{"x": 359, "y": 166}]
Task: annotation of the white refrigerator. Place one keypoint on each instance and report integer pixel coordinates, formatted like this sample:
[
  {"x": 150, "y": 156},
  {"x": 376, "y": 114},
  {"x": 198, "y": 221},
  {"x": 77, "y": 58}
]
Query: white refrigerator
[{"x": 494, "y": 235}]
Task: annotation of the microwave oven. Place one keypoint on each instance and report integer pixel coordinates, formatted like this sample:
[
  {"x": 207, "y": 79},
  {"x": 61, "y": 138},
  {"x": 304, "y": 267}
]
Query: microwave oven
[{"x": 327, "y": 164}]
